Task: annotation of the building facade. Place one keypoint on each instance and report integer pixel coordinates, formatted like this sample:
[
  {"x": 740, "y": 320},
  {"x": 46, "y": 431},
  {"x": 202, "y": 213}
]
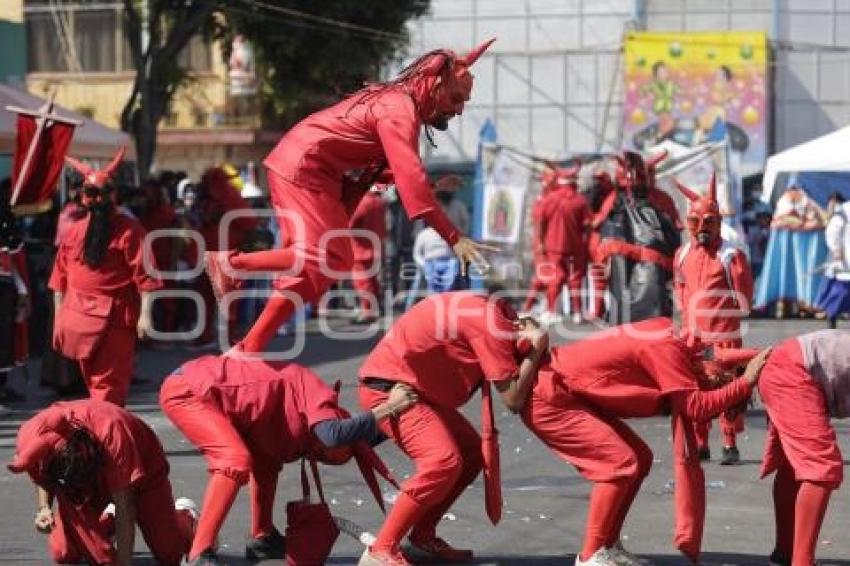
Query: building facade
[
  {"x": 552, "y": 83},
  {"x": 80, "y": 51}
]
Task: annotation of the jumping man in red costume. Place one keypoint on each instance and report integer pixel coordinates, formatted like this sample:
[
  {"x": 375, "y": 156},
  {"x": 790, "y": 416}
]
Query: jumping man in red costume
[
  {"x": 101, "y": 288},
  {"x": 713, "y": 286},
  {"x": 314, "y": 194}
]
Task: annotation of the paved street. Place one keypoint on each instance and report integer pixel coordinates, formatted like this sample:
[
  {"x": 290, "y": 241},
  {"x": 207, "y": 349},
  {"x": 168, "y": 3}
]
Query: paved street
[{"x": 545, "y": 500}]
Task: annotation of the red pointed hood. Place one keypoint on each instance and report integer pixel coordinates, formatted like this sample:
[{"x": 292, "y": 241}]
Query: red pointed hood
[
  {"x": 97, "y": 177},
  {"x": 703, "y": 211}
]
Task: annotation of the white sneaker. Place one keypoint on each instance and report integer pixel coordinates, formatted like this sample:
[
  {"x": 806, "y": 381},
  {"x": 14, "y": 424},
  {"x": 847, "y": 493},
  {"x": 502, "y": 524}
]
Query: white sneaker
[
  {"x": 548, "y": 319},
  {"x": 109, "y": 509},
  {"x": 577, "y": 319},
  {"x": 625, "y": 558},
  {"x": 600, "y": 558},
  {"x": 186, "y": 504}
]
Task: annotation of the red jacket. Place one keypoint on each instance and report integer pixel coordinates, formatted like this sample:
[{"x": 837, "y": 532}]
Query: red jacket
[
  {"x": 359, "y": 132},
  {"x": 564, "y": 218},
  {"x": 710, "y": 284}
]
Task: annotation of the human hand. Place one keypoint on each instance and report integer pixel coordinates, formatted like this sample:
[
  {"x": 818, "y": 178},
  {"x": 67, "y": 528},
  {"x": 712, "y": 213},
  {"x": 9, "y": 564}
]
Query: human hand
[
  {"x": 144, "y": 326},
  {"x": 754, "y": 367},
  {"x": 44, "y": 521},
  {"x": 469, "y": 251},
  {"x": 401, "y": 398}
]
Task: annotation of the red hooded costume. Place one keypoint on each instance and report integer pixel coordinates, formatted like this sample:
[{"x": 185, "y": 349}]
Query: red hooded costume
[
  {"x": 312, "y": 190},
  {"x": 130, "y": 458},
  {"x": 445, "y": 348},
  {"x": 713, "y": 286},
  {"x": 96, "y": 322},
  {"x": 564, "y": 219},
  {"x": 642, "y": 370},
  {"x": 249, "y": 418}
]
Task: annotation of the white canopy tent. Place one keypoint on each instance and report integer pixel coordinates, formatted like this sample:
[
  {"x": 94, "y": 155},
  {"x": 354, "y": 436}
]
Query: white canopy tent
[{"x": 826, "y": 153}]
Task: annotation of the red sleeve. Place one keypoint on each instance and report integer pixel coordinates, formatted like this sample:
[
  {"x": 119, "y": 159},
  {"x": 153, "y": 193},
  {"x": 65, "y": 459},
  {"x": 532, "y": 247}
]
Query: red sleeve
[
  {"x": 318, "y": 402},
  {"x": 742, "y": 277},
  {"x": 398, "y": 130},
  {"x": 59, "y": 276},
  {"x": 494, "y": 350},
  {"x": 134, "y": 256},
  {"x": 604, "y": 209},
  {"x": 702, "y": 406}
]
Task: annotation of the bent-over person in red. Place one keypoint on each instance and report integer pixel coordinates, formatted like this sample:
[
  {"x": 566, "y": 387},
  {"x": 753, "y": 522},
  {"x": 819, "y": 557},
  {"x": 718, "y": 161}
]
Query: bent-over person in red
[{"x": 84, "y": 456}]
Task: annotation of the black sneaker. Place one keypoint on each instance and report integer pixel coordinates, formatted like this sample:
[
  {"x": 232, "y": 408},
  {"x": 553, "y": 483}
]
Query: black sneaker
[
  {"x": 705, "y": 454},
  {"x": 777, "y": 559},
  {"x": 731, "y": 456},
  {"x": 209, "y": 557},
  {"x": 269, "y": 547}
]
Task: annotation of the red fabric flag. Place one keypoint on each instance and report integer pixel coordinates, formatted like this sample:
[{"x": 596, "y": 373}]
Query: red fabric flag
[{"x": 47, "y": 161}]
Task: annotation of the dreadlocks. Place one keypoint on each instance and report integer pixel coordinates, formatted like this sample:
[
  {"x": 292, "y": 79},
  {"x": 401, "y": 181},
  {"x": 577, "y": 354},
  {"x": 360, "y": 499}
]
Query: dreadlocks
[{"x": 73, "y": 470}]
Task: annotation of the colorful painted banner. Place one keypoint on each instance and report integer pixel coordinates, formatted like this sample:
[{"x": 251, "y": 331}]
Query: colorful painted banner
[
  {"x": 505, "y": 186},
  {"x": 683, "y": 86}
]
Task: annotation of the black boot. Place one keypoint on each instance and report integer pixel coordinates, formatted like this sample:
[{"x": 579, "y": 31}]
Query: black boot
[
  {"x": 731, "y": 456},
  {"x": 268, "y": 547},
  {"x": 705, "y": 454},
  {"x": 206, "y": 558}
]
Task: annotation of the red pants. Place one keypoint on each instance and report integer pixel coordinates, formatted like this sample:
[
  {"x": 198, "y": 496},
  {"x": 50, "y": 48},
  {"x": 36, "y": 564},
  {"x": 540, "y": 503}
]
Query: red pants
[
  {"x": 729, "y": 428},
  {"x": 224, "y": 449},
  {"x": 316, "y": 252},
  {"x": 599, "y": 282},
  {"x": 536, "y": 285},
  {"x": 559, "y": 269},
  {"x": 798, "y": 420},
  {"x": 445, "y": 448},
  {"x": 81, "y": 534},
  {"x": 367, "y": 287},
  {"x": 109, "y": 369},
  {"x": 602, "y": 448}
]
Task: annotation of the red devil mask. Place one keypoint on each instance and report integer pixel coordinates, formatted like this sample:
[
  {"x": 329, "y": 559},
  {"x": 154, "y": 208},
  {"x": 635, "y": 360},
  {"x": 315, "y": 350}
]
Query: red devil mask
[
  {"x": 632, "y": 174},
  {"x": 442, "y": 82},
  {"x": 96, "y": 182},
  {"x": 703, "y": 214},
  {"x": 556, "y": 177}
]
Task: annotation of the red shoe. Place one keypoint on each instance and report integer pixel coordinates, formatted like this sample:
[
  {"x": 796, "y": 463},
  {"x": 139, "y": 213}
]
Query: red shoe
[
  {"x": 383, "y": 558},
  {"x": 217, "y": 266},
  {"x": 443, "y": 551}
]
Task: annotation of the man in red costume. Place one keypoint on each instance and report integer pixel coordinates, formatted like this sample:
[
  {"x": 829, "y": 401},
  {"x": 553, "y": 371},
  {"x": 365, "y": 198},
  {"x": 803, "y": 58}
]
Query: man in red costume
[
  {"x": 713, "y": 286},
  {"x": 642, "y": 370},
  {"x": 537, "y": 284},
  {"x": 102, "y": 289},
  {"x": 445, "y": 348},
  {"x": 369, "y": 216},
  {"x": 87, "y": 454},
  {"x": 562, "y": 233},
  {"x": 805, "y": 382},
  {"x": 249, "y": 418},
  {"x": 313, "y": 194}
]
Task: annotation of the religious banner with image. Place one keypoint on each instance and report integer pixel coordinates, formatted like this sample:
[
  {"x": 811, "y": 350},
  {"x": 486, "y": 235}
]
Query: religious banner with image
[{"x": 505, "y": 186}]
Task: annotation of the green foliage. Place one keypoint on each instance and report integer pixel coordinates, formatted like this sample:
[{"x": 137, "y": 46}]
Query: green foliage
[{"x": 306, "y": 64}]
